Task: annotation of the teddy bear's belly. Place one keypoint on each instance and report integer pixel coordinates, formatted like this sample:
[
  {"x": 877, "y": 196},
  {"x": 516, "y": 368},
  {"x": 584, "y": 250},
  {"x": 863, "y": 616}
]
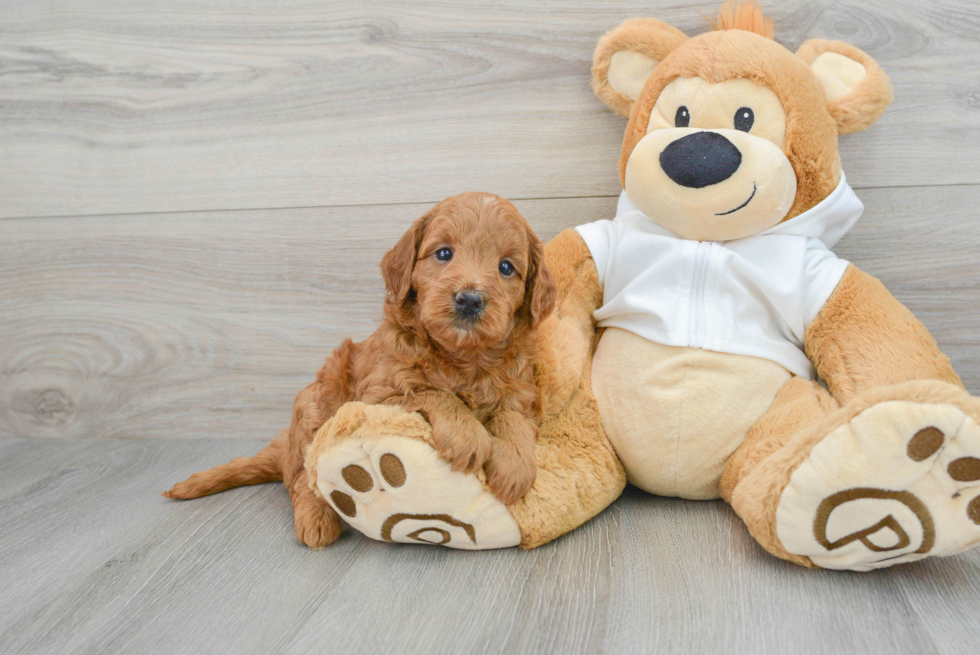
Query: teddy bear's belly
[{"x": 676, "y": 415}]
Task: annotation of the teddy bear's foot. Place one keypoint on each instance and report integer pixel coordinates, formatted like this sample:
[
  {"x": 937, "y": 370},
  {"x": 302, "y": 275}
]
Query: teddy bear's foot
[
  {"x": 897, "y": 482},
  {"x": 377, "y": 467}
]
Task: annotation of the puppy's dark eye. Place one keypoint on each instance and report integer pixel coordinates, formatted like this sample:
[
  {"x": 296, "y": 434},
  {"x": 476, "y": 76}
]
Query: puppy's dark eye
[
  {"x": 683, "y": 117},
  {"x": 506, "y": 268},
  {"x": 444, "y": 254},
  {"x": 744, "y": 118}
]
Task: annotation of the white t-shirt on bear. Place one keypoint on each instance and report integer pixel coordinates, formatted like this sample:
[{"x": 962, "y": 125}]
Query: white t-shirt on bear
[{"x": 751, "y": 296}]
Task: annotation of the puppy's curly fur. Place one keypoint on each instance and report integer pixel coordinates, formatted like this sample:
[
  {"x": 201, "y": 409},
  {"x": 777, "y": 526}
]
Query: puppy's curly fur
[{"x": 464, "y": 362}]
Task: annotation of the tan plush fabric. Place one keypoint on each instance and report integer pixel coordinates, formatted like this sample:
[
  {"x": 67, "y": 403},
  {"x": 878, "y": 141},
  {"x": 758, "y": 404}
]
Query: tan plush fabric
[
  {"x": 839, "y": 75},
  {"x": 377, "y": 466},
  {"x": 676, "y": 415},
  {"x": 811, "y": 133},
  {"x": 866, "y": 101},
  {"x": 628, "y": 72},
  {"x": 355, "y": 421},
  {"x": 648, "y": 37},
  {"x": 797, "y": 405}
]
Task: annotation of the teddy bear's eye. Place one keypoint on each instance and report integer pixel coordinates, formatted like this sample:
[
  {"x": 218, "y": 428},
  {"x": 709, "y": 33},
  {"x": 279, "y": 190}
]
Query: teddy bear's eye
[
  {"x": 744, "y": 118},
  {"x": 683, "y": 117}
]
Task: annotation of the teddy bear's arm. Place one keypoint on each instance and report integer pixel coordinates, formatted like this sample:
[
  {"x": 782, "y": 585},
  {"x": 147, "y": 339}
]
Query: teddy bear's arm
[{"x": 864, "y": 337}]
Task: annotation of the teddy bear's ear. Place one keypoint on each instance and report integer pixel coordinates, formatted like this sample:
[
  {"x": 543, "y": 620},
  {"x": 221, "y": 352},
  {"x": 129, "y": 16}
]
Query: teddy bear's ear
[
  {"x": 625, "y": 57},
  {"x": 858, "y": 91}
]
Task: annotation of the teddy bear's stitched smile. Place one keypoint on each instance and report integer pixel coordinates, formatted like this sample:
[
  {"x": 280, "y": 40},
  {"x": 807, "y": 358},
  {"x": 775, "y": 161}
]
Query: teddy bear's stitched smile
[{"x": 732, "y": 211}]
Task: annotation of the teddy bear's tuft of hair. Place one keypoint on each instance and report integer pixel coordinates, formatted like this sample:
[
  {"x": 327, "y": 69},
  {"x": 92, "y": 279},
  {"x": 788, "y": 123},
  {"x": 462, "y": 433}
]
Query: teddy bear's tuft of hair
[{"x": 746, "y": 16}]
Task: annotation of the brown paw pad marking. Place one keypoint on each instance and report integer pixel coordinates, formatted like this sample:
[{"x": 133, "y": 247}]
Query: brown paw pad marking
[
  {"x": 420, "y": 534},
  {"x": 392, "y": 470},
  {"x": 344, "y": 502},
  {"x": 917, "y": 507},
  {"x": 973, "y": 510},
  {"x": 925, "y": 443},
  {"x": 358, "y": 478},
  {"x": 964, "y": 469},
  {"x": 443, "y": 535}
]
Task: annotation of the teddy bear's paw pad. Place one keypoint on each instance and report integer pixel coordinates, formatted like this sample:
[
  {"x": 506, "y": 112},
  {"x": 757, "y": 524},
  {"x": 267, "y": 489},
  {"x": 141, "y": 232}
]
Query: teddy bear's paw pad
[
  {"x": 899, "y": 482},
  {"x": 398, "y": 489}
]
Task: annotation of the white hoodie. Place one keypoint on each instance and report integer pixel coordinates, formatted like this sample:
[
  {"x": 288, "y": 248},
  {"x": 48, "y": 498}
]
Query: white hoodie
[{"x": 751, "y": 296}]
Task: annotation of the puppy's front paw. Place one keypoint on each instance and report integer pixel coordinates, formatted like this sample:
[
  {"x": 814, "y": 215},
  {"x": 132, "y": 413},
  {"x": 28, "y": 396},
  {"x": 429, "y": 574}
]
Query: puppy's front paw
[
  {"x": 317, "y": 525},
  {"x": 464, "y": 444},
  {"x": 510, "y": 473}
]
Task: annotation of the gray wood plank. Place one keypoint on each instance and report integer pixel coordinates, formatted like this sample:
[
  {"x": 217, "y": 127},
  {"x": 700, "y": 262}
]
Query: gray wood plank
[
  {"x": 207, "y": 324},
  {"x": 123, "y": 106},
  {"x": 98, "y": 562}
]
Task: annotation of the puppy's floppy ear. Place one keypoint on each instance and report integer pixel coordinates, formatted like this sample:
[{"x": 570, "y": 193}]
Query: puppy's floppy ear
[
  {"x": 625, "y": 57},
  {"x": 540, "y": 291},
  {"x": 858, "y": 91},
  {"x": 399, "y": 262}
]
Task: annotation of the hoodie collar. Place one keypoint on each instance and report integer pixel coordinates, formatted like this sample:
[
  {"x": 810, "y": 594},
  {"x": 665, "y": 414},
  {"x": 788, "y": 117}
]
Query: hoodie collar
[{"x": 828, "y": 220}]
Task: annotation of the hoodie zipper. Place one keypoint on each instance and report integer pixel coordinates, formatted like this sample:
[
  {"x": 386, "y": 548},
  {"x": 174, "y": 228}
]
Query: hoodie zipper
[{"x": 696, "y": 328}]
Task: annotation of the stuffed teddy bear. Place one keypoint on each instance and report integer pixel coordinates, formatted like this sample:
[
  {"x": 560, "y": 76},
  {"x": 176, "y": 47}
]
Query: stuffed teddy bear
[{"x": 698, "y": 324}]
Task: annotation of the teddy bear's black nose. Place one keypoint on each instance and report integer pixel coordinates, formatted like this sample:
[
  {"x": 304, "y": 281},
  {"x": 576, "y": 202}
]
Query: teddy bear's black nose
[{"x": 700, "y": 159}]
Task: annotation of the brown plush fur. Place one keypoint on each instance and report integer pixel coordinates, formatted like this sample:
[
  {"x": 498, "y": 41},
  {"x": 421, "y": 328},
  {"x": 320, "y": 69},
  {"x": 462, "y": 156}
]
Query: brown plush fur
[
  {"x": 579, "y": 474},
  {"x": 470, "y": 378},
  {"x": 745, "y": 16},
  {"x": 864, "y": 338}
]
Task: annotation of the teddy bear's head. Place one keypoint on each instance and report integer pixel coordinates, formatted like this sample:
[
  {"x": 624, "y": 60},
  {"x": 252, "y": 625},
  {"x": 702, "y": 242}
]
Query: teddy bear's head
[{"x": 729, "y": 132}]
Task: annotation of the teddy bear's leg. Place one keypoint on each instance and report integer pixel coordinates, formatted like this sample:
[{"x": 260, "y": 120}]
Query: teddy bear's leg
[
  {"x": 799, "y": 403},
  {"x": 578, "y": 473},
  {"x": 377, "y": 466},
  {"x": 892, "y": 475}
]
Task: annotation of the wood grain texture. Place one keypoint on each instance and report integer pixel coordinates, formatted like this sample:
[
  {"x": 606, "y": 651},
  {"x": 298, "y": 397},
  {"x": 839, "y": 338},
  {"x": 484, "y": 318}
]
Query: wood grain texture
[
  {"x": 95, "y": 561},
  {"x": 127, "y": 106},
  {"x": 208, "y": 324},
  {"x": 134, "y": 303}
]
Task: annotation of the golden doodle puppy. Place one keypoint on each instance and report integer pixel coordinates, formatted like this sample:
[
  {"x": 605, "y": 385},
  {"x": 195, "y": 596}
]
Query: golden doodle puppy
[{"x": 466, "y": 286}]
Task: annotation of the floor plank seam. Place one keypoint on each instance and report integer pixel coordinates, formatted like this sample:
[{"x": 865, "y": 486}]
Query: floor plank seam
[{"x": 182, "y": 212}]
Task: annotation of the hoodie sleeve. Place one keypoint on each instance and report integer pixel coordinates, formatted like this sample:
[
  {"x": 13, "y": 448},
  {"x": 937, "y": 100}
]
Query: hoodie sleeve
[{"x": 600, "y": 237}]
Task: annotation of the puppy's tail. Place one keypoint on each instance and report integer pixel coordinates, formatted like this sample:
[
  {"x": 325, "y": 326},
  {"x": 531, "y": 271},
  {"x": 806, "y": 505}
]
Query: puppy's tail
[{"x": 264, "y": 466}]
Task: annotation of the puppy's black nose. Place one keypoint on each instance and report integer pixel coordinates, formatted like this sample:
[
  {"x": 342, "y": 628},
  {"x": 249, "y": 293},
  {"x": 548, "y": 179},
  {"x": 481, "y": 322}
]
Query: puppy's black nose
[
  {"x": 469, "y": 303},
  {"x": 700, "y": 159}
]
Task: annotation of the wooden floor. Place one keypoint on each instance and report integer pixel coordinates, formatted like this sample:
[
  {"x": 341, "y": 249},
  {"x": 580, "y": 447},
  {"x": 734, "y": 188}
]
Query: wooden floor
[
  {"x": 194, "y": 197},
  {"x": 95, "y": 561}
]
